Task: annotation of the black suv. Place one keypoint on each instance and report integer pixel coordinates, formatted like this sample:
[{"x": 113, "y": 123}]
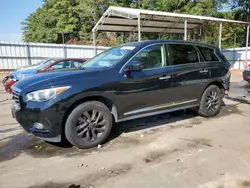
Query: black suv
[{"x": 123, "y": 83}]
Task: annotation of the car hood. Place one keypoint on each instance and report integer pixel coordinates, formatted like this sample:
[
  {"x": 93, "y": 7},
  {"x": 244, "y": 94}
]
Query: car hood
[
  {"x": 27, "y": 67},
  {"x": 24, "y": 73},
  {"x": 46, "y": 79}
]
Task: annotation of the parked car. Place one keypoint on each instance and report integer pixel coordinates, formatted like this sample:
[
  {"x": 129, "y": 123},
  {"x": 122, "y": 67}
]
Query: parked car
[
  {"x": 11, "y": 78},
  {"x": 49, "y": 65},
  {"x": 246, "y": 74},
  {"x": 53, "y": 64},
  {"x": 123, "y": 83}
]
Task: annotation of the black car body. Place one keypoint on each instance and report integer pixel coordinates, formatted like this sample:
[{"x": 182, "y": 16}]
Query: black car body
[
  {"x": 246, "y": 74},
  {"x": 128, "y": 82}
]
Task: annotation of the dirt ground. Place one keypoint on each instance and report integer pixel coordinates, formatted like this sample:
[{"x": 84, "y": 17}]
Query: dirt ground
[{"x": 179, "y": 150}]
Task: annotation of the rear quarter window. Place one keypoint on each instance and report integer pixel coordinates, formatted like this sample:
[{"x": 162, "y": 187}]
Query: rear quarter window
[{"x": 208, "y": 53}]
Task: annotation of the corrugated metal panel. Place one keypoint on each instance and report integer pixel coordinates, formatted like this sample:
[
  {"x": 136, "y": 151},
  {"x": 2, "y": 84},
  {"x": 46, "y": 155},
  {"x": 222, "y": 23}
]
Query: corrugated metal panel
[
  {"x": 236, "y": 57},
  {"x": 16, "y": 54}
]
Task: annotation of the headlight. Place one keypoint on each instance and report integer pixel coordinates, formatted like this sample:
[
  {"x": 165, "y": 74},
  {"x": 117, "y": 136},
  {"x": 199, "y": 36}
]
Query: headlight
[{"x": 45, "y": 94}]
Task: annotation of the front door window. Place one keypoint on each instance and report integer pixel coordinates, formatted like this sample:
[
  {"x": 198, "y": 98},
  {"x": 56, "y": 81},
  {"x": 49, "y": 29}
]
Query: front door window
[{"x": 152, "y": 57}]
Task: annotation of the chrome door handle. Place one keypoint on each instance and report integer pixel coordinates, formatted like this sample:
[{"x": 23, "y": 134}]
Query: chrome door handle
[
  {"x": 164, "y": 77},
  {"x": 203, "y": 71}
]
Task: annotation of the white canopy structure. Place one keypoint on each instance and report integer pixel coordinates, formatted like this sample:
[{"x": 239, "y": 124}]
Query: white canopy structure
[{"x": 120, "y": 19}]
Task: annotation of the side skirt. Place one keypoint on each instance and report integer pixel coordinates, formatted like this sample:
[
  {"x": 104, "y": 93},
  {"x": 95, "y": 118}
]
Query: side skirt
[{"x": 157, "y": 112}]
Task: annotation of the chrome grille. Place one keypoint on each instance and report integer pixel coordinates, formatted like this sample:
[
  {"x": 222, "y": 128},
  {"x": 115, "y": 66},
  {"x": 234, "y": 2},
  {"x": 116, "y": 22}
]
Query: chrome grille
[{"x": 15, "y": 96}]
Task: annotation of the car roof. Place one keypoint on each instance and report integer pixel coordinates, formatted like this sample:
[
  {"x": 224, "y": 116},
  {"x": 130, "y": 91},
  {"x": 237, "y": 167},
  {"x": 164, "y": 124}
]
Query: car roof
[
  {"x": 148, "y": 42},
  {"x": 68, "y": 59}
]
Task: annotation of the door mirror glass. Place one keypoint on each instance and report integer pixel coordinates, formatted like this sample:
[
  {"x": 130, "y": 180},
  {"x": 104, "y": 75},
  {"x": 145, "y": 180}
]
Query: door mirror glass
[{"x": 135, "y": 66}]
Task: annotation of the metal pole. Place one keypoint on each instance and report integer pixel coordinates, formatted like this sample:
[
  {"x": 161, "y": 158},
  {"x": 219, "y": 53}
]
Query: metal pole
[
  {"x": 139, "y": 28},
  {"x": 63, "y": 38},
  {"x": 28, "y": 53},
  {"x": 185, "y": 29},
  {"x": 220, "y": 35},
  {"x": 94, "y": 43},
  {"x": 247, "y": 41},
  {"x": 234, "y": 57}
]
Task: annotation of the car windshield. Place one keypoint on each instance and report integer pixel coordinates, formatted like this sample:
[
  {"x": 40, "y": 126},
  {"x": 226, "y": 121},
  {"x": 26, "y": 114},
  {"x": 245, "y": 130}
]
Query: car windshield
[
  {"x": 45, "y": 64},
  {"x": 109, "y": 57}
]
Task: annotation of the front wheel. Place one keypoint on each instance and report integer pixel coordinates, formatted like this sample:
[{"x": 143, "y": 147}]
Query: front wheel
[
  {"x": 210, "y": 103},
  {"x": 88, "y": 125}
]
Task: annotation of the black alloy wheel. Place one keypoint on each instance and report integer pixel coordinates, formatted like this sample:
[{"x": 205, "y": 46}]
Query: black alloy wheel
[
  {"x": 91, "y": 125},
  {"x": 210, "y": 103},
  {"x": 88, "y": 125}
]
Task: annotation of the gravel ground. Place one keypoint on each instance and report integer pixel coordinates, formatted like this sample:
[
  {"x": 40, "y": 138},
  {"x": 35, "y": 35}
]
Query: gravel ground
[{"x": 178, "y": 149}]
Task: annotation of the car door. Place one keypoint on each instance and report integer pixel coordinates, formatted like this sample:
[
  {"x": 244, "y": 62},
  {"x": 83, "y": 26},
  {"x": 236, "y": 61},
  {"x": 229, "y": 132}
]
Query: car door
[
  {"x": 148, "y": 90},
  {"x": 189, "y": 76},
  {"x": 216, "y": 67}
]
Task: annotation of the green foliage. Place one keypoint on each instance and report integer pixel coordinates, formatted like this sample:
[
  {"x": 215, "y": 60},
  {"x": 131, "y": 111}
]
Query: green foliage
[{"x": 76, "y": 18}]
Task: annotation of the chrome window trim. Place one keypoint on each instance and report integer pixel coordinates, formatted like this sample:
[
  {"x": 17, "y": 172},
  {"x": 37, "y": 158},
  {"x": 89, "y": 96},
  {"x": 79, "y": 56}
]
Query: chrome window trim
[
  {"x": 156, "y": 113},
  {"x": 214, "y": 49},
  {"x": 123, "y": 67},
  {"x": 167, "y": 55},
  {"x": 158, "y": 107}
]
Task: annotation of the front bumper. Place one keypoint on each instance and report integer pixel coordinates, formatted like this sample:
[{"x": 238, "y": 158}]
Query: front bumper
[
  {"x": 7, "y": 85},
  {"x": 49, "y": 116}
]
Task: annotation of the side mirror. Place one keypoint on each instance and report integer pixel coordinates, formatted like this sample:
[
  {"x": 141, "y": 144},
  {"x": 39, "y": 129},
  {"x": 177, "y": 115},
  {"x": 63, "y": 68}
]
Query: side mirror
[
  {"x": 134, "y": 66},
  {"x": 50, "y": 69}
]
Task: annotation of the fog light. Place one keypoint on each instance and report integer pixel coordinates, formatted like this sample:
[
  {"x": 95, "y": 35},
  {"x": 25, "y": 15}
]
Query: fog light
[{"x": 38, "y": 125}]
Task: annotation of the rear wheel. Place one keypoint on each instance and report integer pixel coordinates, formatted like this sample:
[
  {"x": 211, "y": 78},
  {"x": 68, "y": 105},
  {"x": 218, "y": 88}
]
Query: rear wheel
[
  {"x": 88, "y": 125},
  {"x": 210, "y": 103}
]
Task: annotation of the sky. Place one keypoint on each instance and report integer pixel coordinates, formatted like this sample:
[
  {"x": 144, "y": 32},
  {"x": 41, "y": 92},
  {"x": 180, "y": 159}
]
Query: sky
[{"x": 12, "y": 13}]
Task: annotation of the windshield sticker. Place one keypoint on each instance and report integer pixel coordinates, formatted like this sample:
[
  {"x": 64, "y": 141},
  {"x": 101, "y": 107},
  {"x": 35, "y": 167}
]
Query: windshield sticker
[{"x": 128, "y": 48}]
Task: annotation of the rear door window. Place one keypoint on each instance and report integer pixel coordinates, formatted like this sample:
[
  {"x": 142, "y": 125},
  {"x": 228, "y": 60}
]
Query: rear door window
[
  {"x": 208, "y": 53},
  {"x": 182, "y": 54}
]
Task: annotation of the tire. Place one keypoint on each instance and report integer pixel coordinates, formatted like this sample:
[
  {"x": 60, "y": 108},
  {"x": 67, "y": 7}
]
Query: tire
[
  {"x": 84, "y": 129},
  {"x": 210, "y": 103}
]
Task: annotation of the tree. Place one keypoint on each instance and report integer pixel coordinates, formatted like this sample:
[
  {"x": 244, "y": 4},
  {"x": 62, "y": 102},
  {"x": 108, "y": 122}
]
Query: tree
[
  {"x": 52, "y": 19},
  {"x": 76, "y": 18}
]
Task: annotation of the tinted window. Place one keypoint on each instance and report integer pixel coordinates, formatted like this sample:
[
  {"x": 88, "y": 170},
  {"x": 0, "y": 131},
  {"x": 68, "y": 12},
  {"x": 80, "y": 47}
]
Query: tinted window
[
  {"x": 62, "y": 65},
  {"x": 208, "y": 53},
  {"x": 45, "y": 64},
  {"x": 76, "y": 64},
  {"x": 151, "y": 57},
  {"x": 109, "y": 57},
  {"x": 183, "y": 54}
]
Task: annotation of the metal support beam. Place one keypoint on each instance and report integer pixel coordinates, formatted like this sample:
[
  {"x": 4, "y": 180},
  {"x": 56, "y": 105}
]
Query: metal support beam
[
  {"x": 28, "y": 53},
  {"x": 220, "y": 35},
  {"x": 185, "y": 29},
  {"x": 247, "y": 42},
  {"x": 94, "y": 42},
  {"x": 139, "y": 28}
]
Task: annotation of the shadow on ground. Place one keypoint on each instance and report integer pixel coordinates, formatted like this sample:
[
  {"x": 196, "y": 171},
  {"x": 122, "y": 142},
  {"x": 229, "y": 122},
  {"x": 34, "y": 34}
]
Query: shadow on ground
[{"x": 15, "y": 145}]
